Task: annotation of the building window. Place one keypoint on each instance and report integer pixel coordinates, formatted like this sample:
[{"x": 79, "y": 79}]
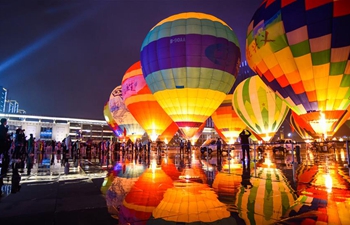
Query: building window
[{"x": 46, "y": 133}]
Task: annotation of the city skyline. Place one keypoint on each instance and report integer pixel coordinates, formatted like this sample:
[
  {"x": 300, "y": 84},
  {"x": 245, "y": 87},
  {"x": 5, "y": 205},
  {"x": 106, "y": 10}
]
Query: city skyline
[{"x": 65, "y": 58}]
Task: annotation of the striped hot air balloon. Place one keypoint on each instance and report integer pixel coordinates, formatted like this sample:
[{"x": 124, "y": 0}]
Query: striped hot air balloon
[
  {"x": 259, "y": 107},
  {"x": 190, "y": 61},
  {"x": 143, "y": 106},
  {"x": 300, "y": 126},
  {"x": 301, "y": 49}
]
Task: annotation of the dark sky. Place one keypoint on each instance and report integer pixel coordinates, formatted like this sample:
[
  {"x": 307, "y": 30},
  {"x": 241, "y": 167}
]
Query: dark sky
[{"x": 63, "y": 58}]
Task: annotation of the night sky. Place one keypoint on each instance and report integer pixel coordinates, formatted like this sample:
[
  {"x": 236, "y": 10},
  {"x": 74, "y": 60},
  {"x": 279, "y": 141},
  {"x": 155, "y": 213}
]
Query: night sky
[{"x": 64, "y": 58}]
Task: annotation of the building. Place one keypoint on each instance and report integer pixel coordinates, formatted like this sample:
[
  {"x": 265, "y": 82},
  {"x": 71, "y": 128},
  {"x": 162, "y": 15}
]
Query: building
[
  {"x": 3, "y": 99},
  {"x": 12, "y": 106},
  {"x": 57, "y": 128}
]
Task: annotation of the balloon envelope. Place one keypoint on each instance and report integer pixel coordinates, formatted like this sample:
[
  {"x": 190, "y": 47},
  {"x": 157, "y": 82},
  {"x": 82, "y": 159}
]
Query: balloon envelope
[
  {"x": 122, "y": 115},
  {"x": 304, "y": 129},
  {"x": 189, "y": 61},
  {"x": 142, "y": 104},
  {"x": 300, "y": 50},
  {"x": 110, "y": 121},
  {"x": 227, "y": 121},
  {"x": 259, "y": 107}
]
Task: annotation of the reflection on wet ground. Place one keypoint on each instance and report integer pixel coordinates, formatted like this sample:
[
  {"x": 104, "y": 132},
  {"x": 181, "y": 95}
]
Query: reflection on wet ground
[{"x": 221, "y": 189}]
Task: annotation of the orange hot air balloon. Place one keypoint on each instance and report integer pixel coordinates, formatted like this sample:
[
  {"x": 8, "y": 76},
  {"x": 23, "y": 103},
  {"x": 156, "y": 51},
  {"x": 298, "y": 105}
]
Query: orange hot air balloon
[
  {"x": 227, "y": 122},
  {"x": 303, "y": 128},
  {"x": 143, "y": 106}
]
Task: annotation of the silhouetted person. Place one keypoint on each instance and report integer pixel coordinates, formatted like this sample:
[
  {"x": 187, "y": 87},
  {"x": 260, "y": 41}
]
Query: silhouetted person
[
  {"x": 4, "y": 147},
  {"x": 244, "y": 136},
  {"x": 30, "y": 154},
  {"x": 188, "y": 148},
  {"x": 182, "y": 146},
  {"x": 218, "y": 146}
]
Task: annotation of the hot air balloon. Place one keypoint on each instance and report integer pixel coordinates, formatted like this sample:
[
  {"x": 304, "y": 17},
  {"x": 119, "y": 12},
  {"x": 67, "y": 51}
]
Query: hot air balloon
[
  {"x": 304, "y": 129},
  {"x": 189, "y": 61},
  {"x": 143, "y": 106},
  {"x": 110, "y": 121},
  {"x": 227, "y": 122},
  {"x": 122, "y": 115},
  {"x": 259, "y": 107},
  {"x": 300, "y": 50}
]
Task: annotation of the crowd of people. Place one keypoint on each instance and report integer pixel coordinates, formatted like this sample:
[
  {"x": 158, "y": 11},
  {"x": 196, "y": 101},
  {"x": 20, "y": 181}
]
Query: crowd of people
[{"x": 19, "y": 152}]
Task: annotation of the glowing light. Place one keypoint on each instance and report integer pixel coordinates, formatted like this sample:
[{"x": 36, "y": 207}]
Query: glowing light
[
  {"x": 153, "y": 136},
  {"x": 342, "y": 154},
  {"x": 232, "y": 141},
  {"x": 268, "y": 162},
  {"x": 266, "y": 138},
  {"x": 328, "y": 182},
  {"x": 166, "y": 141},
  {"x": 322, "y": 125}
]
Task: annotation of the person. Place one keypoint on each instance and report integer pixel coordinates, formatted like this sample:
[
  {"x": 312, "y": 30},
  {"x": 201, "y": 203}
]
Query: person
[
  {"x": 4, "y": 147},
  {"x": 182, "y": 146},
  {"x": 30, "y": 154},
  {"x": 188, "y": 148},
  {"x": 244, "y": 136},
  {"x": 218, "y": 146},
  {"x": 3, "y": 136}
]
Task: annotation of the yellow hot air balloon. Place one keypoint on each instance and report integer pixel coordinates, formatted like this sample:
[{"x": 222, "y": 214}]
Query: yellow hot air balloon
[
  {"x": 259, "y": 107},
  {"x": 143, "y": 106},
  {"x": 122, "y": 115},
  {"x": 301, "y": 51},
  {"x": 189, "y": 61}
]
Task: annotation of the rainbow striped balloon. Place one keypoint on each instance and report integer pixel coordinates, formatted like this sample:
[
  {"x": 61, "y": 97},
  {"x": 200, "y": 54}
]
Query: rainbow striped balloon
[
  {"x": 301, "y": 51},
  {"x": 190, "y": 61}
]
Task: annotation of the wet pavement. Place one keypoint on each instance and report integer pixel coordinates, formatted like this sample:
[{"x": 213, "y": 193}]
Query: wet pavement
[
  {"x": 55, "y": 197},
  {"x": 190, "y": 188},
  {"x": 196, "y": 189}
]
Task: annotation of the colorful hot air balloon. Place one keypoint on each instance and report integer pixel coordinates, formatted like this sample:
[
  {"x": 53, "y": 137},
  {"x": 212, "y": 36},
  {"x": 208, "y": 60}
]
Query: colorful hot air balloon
[
  {"x": 142, "y": 104},
  {"x": 301, "y": 51},
  {"x": 259, "y": 107},
  {"x": 110, "y": 121},
  {"x": 190, "y": 61},
  {"x": 304, "y": 129},
  {"x": 227, "y": 121},
  {"x": 122, "y": 115}
]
